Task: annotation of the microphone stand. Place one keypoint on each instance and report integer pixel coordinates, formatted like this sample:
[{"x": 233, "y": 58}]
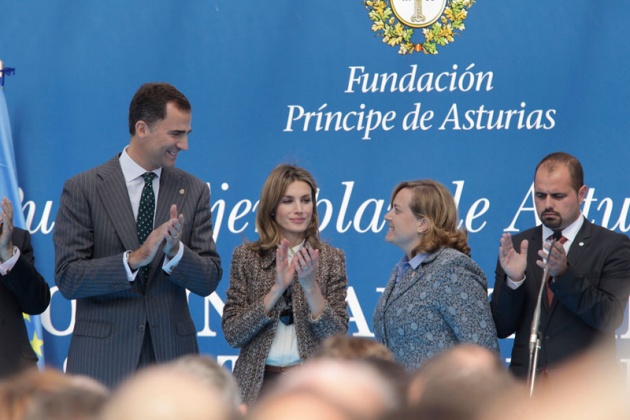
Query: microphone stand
[{"x": 534, "y": 336}]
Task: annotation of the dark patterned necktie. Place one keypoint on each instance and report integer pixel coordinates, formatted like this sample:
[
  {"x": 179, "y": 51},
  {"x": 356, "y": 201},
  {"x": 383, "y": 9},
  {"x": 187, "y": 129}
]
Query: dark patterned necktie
[{"x": 146, "y": 210}]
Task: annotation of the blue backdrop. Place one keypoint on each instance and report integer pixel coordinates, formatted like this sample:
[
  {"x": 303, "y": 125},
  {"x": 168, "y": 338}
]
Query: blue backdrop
[{"x": 313, "y": 83}]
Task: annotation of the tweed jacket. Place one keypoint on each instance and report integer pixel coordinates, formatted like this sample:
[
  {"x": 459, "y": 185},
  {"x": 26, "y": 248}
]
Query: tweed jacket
[
  {"x": 246, "y": 326},
  {"x": 22, "y": 290},
  {"x": 442, "y": 303},
  {"x": 94, "y": 227}
]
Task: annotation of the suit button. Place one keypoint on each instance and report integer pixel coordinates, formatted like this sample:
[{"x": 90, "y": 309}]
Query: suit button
[
  {"x": 547, "y": 338},
  {"x": 141, "y": 327}
]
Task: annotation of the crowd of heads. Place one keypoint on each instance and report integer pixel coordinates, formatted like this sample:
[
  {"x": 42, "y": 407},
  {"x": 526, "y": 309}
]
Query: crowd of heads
[{"x": 350, "y": 378}]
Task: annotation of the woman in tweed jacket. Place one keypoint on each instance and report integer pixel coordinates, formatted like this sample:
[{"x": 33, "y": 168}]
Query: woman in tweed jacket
[
  {"x": 437, "y": 295},
  {"x": 287, "y": 290}
]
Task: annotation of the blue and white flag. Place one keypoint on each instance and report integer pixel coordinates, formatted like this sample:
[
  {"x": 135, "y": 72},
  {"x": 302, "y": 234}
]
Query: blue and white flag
[{"x": 9, "y": 188}]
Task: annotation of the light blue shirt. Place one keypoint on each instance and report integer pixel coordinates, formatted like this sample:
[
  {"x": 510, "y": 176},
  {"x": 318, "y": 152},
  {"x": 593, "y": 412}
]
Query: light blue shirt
[{"x": 405, "y": 263}]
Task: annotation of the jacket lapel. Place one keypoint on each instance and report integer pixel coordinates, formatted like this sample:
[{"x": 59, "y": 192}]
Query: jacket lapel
[
  {"x": 578, "y": 247},
  {"x": 580, "y": 244},
  {"x": 389, "y": 288},
  {"x": 172, "y": 190},
  {"x": 410, "y": 278},
  {"x": 114, "y": 197}
]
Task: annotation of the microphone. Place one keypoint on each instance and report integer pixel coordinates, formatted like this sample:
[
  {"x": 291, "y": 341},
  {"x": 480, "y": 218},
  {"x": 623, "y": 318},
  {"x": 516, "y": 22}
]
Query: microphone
[{"x": 534, "y": 339}]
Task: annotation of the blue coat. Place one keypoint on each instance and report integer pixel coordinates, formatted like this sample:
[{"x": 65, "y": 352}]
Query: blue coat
[{"x": 442, "y": 303}]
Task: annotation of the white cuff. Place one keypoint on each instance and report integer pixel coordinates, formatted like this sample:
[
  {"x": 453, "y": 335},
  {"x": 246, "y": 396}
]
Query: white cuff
[
  {"x": 131, "y": 275},
  {"x": 169, "y": 264},
  {"x": 8, "y": 265},
  {"x": 515, "y": 284}
]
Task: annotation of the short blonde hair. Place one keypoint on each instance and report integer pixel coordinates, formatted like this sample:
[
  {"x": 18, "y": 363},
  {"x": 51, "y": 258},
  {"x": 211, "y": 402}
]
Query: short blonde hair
[{"x": 433, "y": 202}]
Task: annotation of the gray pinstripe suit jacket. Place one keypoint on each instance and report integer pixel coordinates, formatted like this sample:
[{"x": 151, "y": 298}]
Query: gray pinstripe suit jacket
[{"x": 93, "y": 228}]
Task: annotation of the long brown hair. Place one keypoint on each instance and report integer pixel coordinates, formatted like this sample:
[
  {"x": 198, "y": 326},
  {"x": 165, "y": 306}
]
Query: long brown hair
[
  {"x": 433, "y": 202},
  {"x": 272, "y": 192}
]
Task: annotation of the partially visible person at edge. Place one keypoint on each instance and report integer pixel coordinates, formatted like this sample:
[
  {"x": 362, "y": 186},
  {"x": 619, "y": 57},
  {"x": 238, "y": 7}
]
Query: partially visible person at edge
[
  {"x": 589, "y": 270},
  {"x": 22, "y": 290},
  {"x": 436, "y": 296},
  {"x": 287, "y": 290},
  {"x": 131, "y": 236}
]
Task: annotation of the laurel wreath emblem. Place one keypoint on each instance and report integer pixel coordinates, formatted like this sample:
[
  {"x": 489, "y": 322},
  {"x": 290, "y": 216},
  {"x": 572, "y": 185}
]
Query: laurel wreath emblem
[{"x": 395, "y": 33}]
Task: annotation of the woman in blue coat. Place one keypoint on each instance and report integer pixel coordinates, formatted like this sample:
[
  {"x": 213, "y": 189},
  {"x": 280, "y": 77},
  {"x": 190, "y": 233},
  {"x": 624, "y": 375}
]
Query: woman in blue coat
[{"x": 436, "y": 296}]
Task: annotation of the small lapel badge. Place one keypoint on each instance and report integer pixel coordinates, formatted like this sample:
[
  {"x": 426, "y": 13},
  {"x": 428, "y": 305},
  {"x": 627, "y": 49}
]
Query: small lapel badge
[
  {"x": 181, "y": 192},
  {"x": 581, "y": 244}
]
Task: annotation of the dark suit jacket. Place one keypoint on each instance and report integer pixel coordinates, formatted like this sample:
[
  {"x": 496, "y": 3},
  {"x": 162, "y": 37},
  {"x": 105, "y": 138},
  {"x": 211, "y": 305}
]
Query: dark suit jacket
[
  {"x": 589, "y": 299},
  {"x": 94, "y": 227},
  {"x": 22, "y": 290}
]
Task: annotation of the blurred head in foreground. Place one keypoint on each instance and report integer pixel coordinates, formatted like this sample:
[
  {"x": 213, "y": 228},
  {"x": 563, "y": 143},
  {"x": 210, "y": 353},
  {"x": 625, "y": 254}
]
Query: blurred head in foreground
[
  {"x": 215, "y": 376},
  {"x": 50, "y": 395},
  {"x": 162, "y": 392},
  {"x": 456, "y": 384},
  {"x": 357, "y": 387}
]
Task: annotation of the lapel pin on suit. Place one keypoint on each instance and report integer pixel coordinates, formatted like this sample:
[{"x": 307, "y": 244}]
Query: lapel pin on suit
[{"x": 182, "y": 191}]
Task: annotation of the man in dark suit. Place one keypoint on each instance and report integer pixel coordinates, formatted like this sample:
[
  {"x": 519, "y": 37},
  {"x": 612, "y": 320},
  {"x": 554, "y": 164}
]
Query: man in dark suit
[
  {"x": 22, "y": 290},
  {"x": 132, "y": 307},
  {"x": 589, "y": 271}
]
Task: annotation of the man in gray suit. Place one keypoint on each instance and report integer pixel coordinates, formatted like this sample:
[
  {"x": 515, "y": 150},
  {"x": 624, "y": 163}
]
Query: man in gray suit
[{"x": 131, "y": 306}]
